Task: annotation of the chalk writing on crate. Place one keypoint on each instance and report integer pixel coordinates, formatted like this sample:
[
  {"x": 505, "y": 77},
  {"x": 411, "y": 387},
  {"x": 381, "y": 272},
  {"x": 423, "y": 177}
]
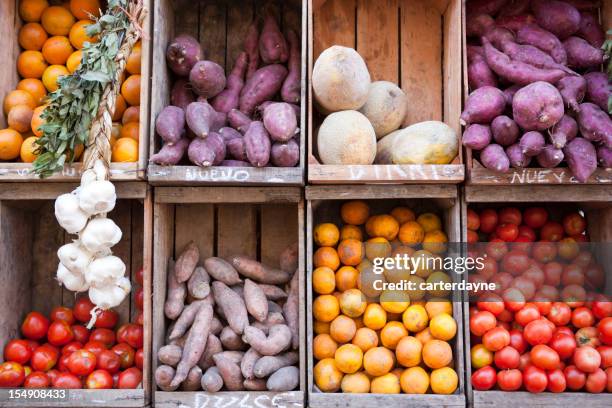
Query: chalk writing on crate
[
  {"x": 246, "y": 400},
  {"x": 401, "y": 172}
]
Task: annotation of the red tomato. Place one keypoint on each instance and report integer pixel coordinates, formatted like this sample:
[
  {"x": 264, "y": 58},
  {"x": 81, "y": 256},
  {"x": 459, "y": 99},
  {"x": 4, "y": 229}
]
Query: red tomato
[
  {"x": 95, "y": 347},
  {"x": 574, "y": 377},
  {"x": 515, "y": 262},
  {"x": 52, "y": 374},
  {"x": 481, "y": 322},
  {"x": 505, "y": 316},
  {"x": 517, "y": 341},
  {"x": 35, "y": 326},
  {"x": 473, "y": 220},
  {"x": 109, "y": 360},
  {"x": 82, "y": 308},
  {"x": 510, "y": 215},
  {"x": 587, "y": 336},
  {"x": 67, "y": 381},
  {"x": 71, "y": 347},
  {"x": 556, "y": 381},
  {"x": 535, "y": 217},
  {"x": 60, "y": 333},
  {"x": 552, "y": 231},
  {"x": 544, "y": 357},
  {"x": 81, "y": 334},
  {"x": 107, "y": 319},
  {"x": 472, "y": 237},
  {"x": 563, "y": 329},
  {"x": 601, "y": 307},
  {"x": 99, "y": 379},
  {"x": 130, "y": 378},
  {"x": 44, "y": 358},
  {"x": 503, "y": 324},
  {"x": 573, "y": 295},
  {"x": 544, "y": 252},
  {"x": 525, "y": 361},
  {"x": 139, "y": 318},
  {"x": 62, "y": 313},
  {"x": 126, "y": 354},
  {"x": 496, "y": 249},
  {"x": 527, "y": 314},
  {"x": 37, "y": 379},
  {"x": 513, "y": 299},
  {"x": 131, "y": 334},
  {"x": 574, "y": 224},
  {"x": 535, "y": 379},
  {"x": 609, "y": 381},
  {"x": 11, "y": 374},
  {"x": 595, "y": 276},
  {"x": 560, "y": 314},
  {"x": 32, "y": 345},
  {"x": 606, "y": 356},
  {"x": 491, "y": 303},
  {"x": 564, "y": 344},
  {"x": 104, "y": 336},
  {"x": 587, "y": 359},
  {"x": 572, "y": 275},
  {"x": 139, "y": 297},
  {"x": 509, "y": 380},
  {"x": 18, "y": 351},
  {"x": 605, "y": 327},
  {"x": 488, "y": 220},
  {"x": 537, "y": 332},
  {"x": 582, "y": 317},
  {"x": 139, "y": 358},
  {"x": 62, "y": 364},
  {"x": 484, "y": 378},
  {"x": 502, "y": 281},
  {"x": 596, "y": 381},
  {"x": 81, "y": 362},
  {"x": 496, "y": 339},
  {"x": 526, "y": 286},
  {"x": 552, "y": 272},
  {"x": 543, "y": 306},
  {"x": 489, "y": 268},
  {"x": 140, "y": 275},
  {"x": 527, "y": 232},
  {"x": 535, "y": 274},
  {"x": 568, "y": 248},
  {"x": 547, "y": 293},
  {"x": 507, "y": 232},
  {"x": 508, "y": 357}
]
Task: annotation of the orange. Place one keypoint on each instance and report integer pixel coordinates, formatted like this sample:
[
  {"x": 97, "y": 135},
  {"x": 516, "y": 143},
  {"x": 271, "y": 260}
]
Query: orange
[
  {"x": 429, "y": 222},
  {"x": 394, "y": 301},
  {"x": 120, "y": 107},
  {"x": 350, "y": 252},
  {"x": 31, "y": 64},
  {"x": 32, "y": 36},
  {"x": 323, "y": 346},
  {"x": 374, "y": 317},
  {"x": 327, "y": 376},
  {"x": 408, "y": 351},
  {"x": 326, "y": 235},
  {"x": 424, "y": 335},
  {"x": 402, "y": 214},
  {"x": 355, "y": 212},
  {"x": 326, "y": 256},
  {"x": 18, "y": 97},
  {"x": 19, "y": 118},
  {"x": 415, "y": 318},
  {"x": 382, "y": 226},
  {"x": 437, "y": 306},
  {"x": 443, "y": 327},
  {"x": 83, "y": 8},
  {"x": 349, "y": 358},
  {"x": 325, "y": 308},
  {"x": 10, "y": 144},
  {"x": 397, "y": 371},
  {"x": 347, "y": 278},
  {"x": 365, "y": 339},
  {"x": 132, "y": 64},
  {"x": 411, "y": 233},
  {"x": 385, "y": 384},
  {"x": 435, "y": 241},
  {"x": 27, "y": 150},
  {"x": 78, "y": 34},
  {"x": 444, "y": 381},
  {"x": 367, "y": 279},
  {"x": 74, "y": 61},
  {"x": 437, "y": 353},
  {"x": 355, "y": 383},
  {"x": 131, "y": 130},
  {"x": 320, "y": 327},
  {"x": 378, "y": 361},
  {"x": 435, "y": 278},
  {"x": 353, "y": 303},
  {"x": 130, "y": 89},
  {"x": 31, "y": 10},
  {"x": 414, "y": 380},
  {"x": 51, "y": 76},
  {"x": 57, "y": 49},
  {"x": 377, "y": 247},
  {"x": 351, "y": 232},
  {"x": 57, "y": 20},
  {"x": 37, "y": 120},
  {"x": 425, "y": 263},
  {"x": 125, "y": 150},
  {"x": 35, "y": 88},
  {"x": 131, "y": 114},
  {"x": 323, "y": 280},
  {"x": 391, "y": 334}
]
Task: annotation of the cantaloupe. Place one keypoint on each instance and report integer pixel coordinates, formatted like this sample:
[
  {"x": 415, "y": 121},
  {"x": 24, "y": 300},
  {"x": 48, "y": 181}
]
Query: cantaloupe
[
  {"x": 340, "y": 80},
  {"x": 346, "y": 137},
  {"x": 385, "y": 108}
]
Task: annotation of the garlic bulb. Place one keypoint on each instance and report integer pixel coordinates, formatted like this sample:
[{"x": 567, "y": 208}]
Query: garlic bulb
[
  {"x": 97, "y": 197},
  {"x": 109, "y": 296},
  {"x": 88, "y": 177},
  {"x": 104, "y": 271},
  {"x": 100, "y": 170},
  {"x": 71, "y": 281},
  {"x": 69, "y": 214},
  {"x": 74, "y": 257},
  {"x": 100, "y": 234}
]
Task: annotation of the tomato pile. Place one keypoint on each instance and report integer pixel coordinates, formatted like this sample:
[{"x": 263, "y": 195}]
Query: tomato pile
[
  {"x": 544, "y": 328},
  {"x": 60, "y": 352}
]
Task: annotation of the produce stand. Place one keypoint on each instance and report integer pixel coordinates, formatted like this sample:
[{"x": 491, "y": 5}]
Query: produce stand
[
  {"x": 258, "y": 222},
  {"x": 323, "y": 203}
]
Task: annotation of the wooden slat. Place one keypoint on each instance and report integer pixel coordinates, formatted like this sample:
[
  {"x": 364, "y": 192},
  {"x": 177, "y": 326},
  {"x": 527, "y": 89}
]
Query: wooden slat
[
  {"x": 9, "y": 24},
  {"x": 212, "y": 31},
  {"x": 279, "y": 229},
  {"x": 543, "y": 400},
  {"x": 292, "y": 399},
  {"x": 50, "y": 191},
  {"x": 195, "y": 217},
  {"x": 386, "y": 173},
  {"x": 327, "y": 400},
  {"x": 452, "y": 66},
  {"x": 240, "y": 14},
  {"x": 227, "y": 194},
  {"x": 194, "y": 175},
  {"x": 186, "y": 18},
  {"x": 236, "y": 230},
  {"x": 137, "y": 255},
  {"x": 22, "y": 172},
  {"x": 147, "y": 264},
  {"x": 334, "y": 24},
  {"x": 80, "y": 398},
  {"x": 571, "y": 193},
  {"x": 380, "y": 192},
  {"x": 534, "y": 176}
]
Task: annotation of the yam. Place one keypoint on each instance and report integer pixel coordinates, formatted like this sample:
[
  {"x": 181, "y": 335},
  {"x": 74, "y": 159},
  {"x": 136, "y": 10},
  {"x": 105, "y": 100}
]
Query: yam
[
  {"x": 550, "y": 157},
  {"x": 267, "y": 365},
  {"x": 277, "y": 340},
  {"x": 193, "y": 382},
  {"x": 483, "y": 105},
  {"x": 211, "y": 380},
  {"x": 477, "y": 137},
  {"x": 478, "y": 24},
  {"x": 594, "y": 124},
  {"x": 171, "y": 154},
  {"x": 207, "y": 79},
  {"x": 515, "y": 8},
  {"x": 229, "y": 98},
  {"x": 213, "y": 346},
  {"x": 257, "y": 144},
  {"x": 186, "y": 262},
  {"x": 564, "y": 131},
  {"x": 598, "y": 89},
  {"x": 385, "y": 107},
  {"x": 247, "y": 365},
  {"x": 176, "y": 294},
  {"x": 237, "y": 149},
  {"x": 163, "y": 377},
  {"x": 581, "y": 158},
  {"x": 591, "y": 30},
  {"x": 251, "y": 47},
  {"x": 534, "y": 35},
  {"x": 288, "y": 260},
  {"x": 202, "y": 119},
  {"x": 198, "y": 285},
  {"x": 186, "y": 319},
  {"x": 533, "y": 56},
  {"x": 285, "y": 379},
  {"x": 232, "y": 305},
  {"x": 558, "y": 17},
  {"x": 479, "y": 74},
  {"x": 581, "y": 54},
  {"x": 273, "y": 47},
  {"x": 285, "y": 154},
  {"x": 532, "y": 143},
  {"x": 238, "y": 120},
  {"x": 273, "y": 292},
  {"x": 280, "y": 121},
  {"x": 489, "y": 7},
  {"x": 273, "y": 318},
  {"x": 537, "y": 106},
  {"x": 261, "y": 87},
  {"x": 516, "y": 157},
  {"x": 291, "y": 310},
  {"x": 250, "y": 268},
  {"x": 169, "y": 355},
  {"x": 233, "y": 356},
  {"x": 572, "y": 90},
  {"x": 170, "y": 124},
  {"x": 291, "y": 92},
  {"x": 494, "y": 158},
  {"x": 231, "y": 340},
  {"x": 505, "y": 130},
  {"x": 604, "y": 157},
  {"x": 255, "y": 300},
  {"x": 515, "y": 22},
  {"x": 255, "y": 384},
  {"x": 216, "y": 326},
  {"x": 346, "y": 137},
  {"x": 222, "y": 270},
  {"x": 181, "y": 94},
  {"x": 182, "y": 54},
  {"x": 230, "y": 372}
]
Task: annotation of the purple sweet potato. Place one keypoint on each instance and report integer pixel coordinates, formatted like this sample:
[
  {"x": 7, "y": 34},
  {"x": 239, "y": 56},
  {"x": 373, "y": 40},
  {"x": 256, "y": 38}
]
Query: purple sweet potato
[
  {"x": 285, "y": 154},
  {"x": 291, "y": 91},
  {"x": 515, "y": 8},
  {"x": 207, "y": 152},
  {"x": 257, "y": 144},
  {"x": 550, "y": 157},
  {"x": 591, "y": 30},
  {"x": 203, "y": 119},
  {"x": 490, "y": 7},
  {"x": 498, "y": 36},
  {"x": 514, "y": 22},
  {"x": 170, "y": 155},
  {"x": 534, "y": 35},
  {"x": 585, "y": 5},
  {"x": 598, "y": 89},
  {"x": 505, "y": 130},
  {"x": 476, "y": 136},
  {"x": 581, "y": 54},
  {"x": 479, "y": 74},
  {"x": 559, "y": 18},
  {"x": 273, "y": 47},
  {"x": 494, "y": 158},
  {"x": 229, "y": 98},
  {"x": 262, "y": 86},
  {"x": 251, "y": 47},
  {"x": 537, "y": 106},
  {"x": 594, "y": 124},
  {"x": 181, "y": 94},
  {"x": 182, "y": 54},
  {"x": 170, "y": 124},
  {"x": 207, "y": 78},
  {"x": 229, "y": 133},
  {"x": 532, "y": 56},
  {"x": 236, "y": 149},
  {"x": 238, "y": 120},
  {"x": 234, "y": 163},
  {"x": 474, "y": 51},
  {"x": 280, "y": 121},
  {"x": 518, "y": 160},
  {"x": 564, "y": 131},
  {"x": 604, "y": 157},
  {"x": 532, "y": 143},
  {"x": 572, "y": 89},
  {"x": 581, "y": 158},
  {"x": 509, "y": 94},
  {"x": 483, "y": 105}
]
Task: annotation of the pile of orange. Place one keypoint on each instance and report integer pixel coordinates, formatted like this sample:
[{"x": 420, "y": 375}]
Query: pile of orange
[
  {"x": 380, "y": 341},
  {"x": 51, "y": 39}
]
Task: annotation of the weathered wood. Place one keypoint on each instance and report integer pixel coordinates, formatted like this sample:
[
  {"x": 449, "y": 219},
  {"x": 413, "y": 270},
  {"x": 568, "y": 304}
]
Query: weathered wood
[
  {"x": 9, "y": 28},
  {"x": 386, "y": 173},
  {"x": 379, "y": 192},
  {"x": 294, "y": 399},
  {"x": 79, "y": 398},
  {"x": 533, "y": 176},
  {"x": 542, "y": 400},
  {"x": 50, "y": 191},
  {"x": 194, "y": 175},
  {"x": 279, "y": 229},
  {"x": 190, "y": 216},
  {"x": 323, "y": 400},
  {"x": 147, "y": 265},
  {"x": 227, "y": 194},
  {"x": 571, "y": 193},
  {"x": 236, "y": 230},
  {"x": 22, "y": 172}
]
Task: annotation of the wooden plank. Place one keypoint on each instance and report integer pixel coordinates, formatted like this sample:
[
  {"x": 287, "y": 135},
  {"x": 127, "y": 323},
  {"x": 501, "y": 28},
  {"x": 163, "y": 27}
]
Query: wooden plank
[
  {"x": 236, "y": 230},
  {"x": 136, "y": 252},
  {"x": 571, "y": 193},
  {"x": 279, "y": 229},
  {"x": 187, "y": 17},
  {"x": 386, "y": 173},
  {"x": 542, "y": 400},
  {"x": 240, "y": 15},
  {"x": 190, "y": 218},
  {"x": 532, "y": 176},
  {"x": 212, "y": 31},
  {"x": 22, "y": 172},
  {"x": 227, "y": 194},
  {"x": 380, "y": 192},
  {"x": 50, "y": 191},
  {"x": 79, "y": 398},
  {"x": 452, "y": 67},
  {"x": 326, "y": 400},
  {"x": 9, "y": 24},
  {"x": 378, "y": 38},
  {"x": 294, "y": 399},
  {"x": 145, "y": 89},
  {"x": 147, "y": 265},
  {"x": 334, "y": 24},
  {"x": 302, "y": 295}
]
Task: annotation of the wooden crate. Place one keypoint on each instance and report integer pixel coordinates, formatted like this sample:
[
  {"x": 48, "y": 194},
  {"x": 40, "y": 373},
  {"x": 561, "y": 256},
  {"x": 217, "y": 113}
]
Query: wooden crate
[
  {"x": 413, "y": 43},
  {"x": 225, "y": 221},
  {"x": 220, "y": 26},
  {"x": 480, "y": 175},
  {"x": 323, "y": 205},
  {"x": 10, "y": 23},
  {"x": 595, "y": 202},
  {"x": 29, "y": 239}
]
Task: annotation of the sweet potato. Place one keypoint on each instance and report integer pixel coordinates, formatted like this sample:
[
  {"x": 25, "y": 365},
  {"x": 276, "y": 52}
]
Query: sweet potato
[
  {"x": 255, "y": 384},
  {"x": 274, "y": 307},
  {"x": 273, "y": 319},
  {"x": 533, "y": 56},
  {"x": 505, "y": 130},
  {"x": 515, "y": 22},
  {"x": 235, "y": 163},
  {"x": 280, "y": 121},
  {"x": 493, "y": 157},
  {"x": 169, "y": 355},
  {"x": 285, "y": 154},
  {"x": 230, "y": 372},
  {"x": 193, "y": 382},
  {"x": 203, "y": 119},
  {"x": 207, "y": 79},
  {"x": 278, "y": 339},
  {"x": 266, "y": 365},
  {"x": 216, "y": 326},
  {"x": 171, "y": 154},
  {"x": 228, "y": 133},
  {"x": 291, "y": 90},
  {"x": 251, "y": 47},
  {"x": 273, "y": 292},
  {"x": 273, "y": 47},
  {"x": 581, "y": 54},
  {"x": 231, "y": 340},
  {"x": 509, "y": 94},
  {"x": 594, "y": 124},
  {"x": 222, "y": 270},
  {"x": 211, "y": 380},
  {"x": 285, "y": 379},
  {"x": 581, "y": 158},
  {"x": 498, "y": 36},
  {"x": 583, "y": 5},
  {"x": 598, "y": 89},
  {"x": 237, "y": 149},
  {"x": 255, "y": 300},
  {"x": 515, "y": 8},
  {"x": 532, "y": 143},
  {"x": 229, "y": 98},
  {"x": 591, "y": 30},
  {"x": 163, "y": 377},
  {"x": 483, "y": 105},
  {"x": 573, "y": 90},
  {"x": 550, "y": 157},
  {"x": 247, "y": 364},
  {"x": 181, "y": 94},
  {"x": 207, "y": 152},
  {"x": 478, "y": 25},
  {"x": 479, "y": 74},
  {"x": 170, "y": 124},
  {"x": 259, "y": 272},
  {"x": 238, "y": 120},
  {"x": 262, "y": 86},
  {"x": 186, "y": 262},
  {"x": 182, "y": 54},
  {"x": 559, "y": 18},
  {"x": 490, "y": 7},
  {"x": 176, "y": 294},
  {"x": 516, "y": 157},
  {"x": 288, "y": 259},
  {"x": 198, "y": 285},
  {"x": 232, "y": 305},
  {"x": 291, "y": 310},
  {"x": 213, "y": 346},
  {"x": 257, "y": 144},
  {"x": 186, "y": 319},
  {"x": 537, "y": 106},
  {"x": 604, "y": 157},
  {"x": 532, "y": 34},
  {"x": 564, "y": 131},
  {"x": 233, "y": 356},
  {"x": 477, "y": 137}
]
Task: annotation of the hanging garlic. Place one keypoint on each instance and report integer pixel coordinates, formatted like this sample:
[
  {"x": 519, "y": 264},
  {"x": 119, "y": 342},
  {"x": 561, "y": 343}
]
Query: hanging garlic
[
  {"x": 88, "y": 177},
  {"x": 110, "y": 296},
  {"x": 100, "y": 234},
  {"x": 71, "y": 281},
  {"x": 100, "y": 170},
  {"x": 97, "y": 197},
  {"x": 74, "y": 257},
  {"x": 69, "y": 214},
  {"x": 104, "y": 271}
]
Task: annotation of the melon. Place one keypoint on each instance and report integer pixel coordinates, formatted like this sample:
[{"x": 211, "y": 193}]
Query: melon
[
  {"x": 385, "y": 108},
  {"x": 346, "y": 137}
]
